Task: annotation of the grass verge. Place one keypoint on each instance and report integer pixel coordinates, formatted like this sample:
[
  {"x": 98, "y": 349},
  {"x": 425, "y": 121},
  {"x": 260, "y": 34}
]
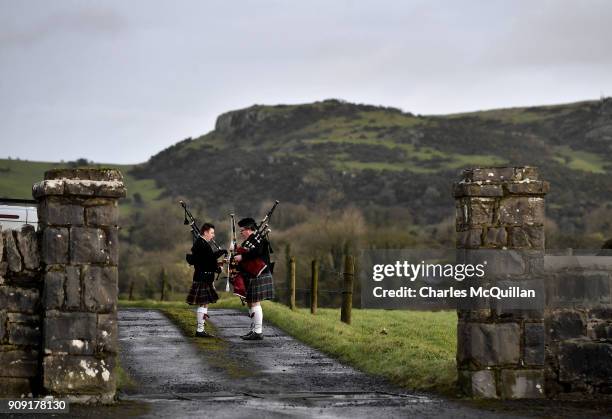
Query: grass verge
[
  {"x": 124, "y": 381},
  {"x": 412, "y": 349}
]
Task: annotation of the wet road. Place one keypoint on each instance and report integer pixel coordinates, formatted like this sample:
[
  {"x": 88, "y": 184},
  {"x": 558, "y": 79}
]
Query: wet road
[{"x": 276, "y": 377}]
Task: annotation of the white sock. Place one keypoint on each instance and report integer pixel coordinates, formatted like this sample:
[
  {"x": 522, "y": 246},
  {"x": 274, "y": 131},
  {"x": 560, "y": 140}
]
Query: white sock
[
  {"x": 200, "y": 316},
  {"x": 251, "y": 316},
  {"x": 258, "y": 319}
]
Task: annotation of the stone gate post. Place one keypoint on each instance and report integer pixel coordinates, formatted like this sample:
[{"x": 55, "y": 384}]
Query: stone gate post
[
  {"x": 78, "y": 226},
  {"x": 500, "y": 351}
]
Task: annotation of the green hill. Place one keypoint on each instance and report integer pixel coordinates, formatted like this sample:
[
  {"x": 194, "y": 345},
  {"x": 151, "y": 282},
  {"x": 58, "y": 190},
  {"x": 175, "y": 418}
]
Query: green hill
[
  {"x": 349, "y": 176},
  {"x": 390, "y": 164},
  {"x": 334, "y": 154}
]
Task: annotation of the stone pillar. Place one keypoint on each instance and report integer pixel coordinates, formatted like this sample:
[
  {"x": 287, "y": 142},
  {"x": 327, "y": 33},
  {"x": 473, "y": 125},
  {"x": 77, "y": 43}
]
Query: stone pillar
[
  {"x": 77, "y": 211},
  {"x": 501, "y": 351}
]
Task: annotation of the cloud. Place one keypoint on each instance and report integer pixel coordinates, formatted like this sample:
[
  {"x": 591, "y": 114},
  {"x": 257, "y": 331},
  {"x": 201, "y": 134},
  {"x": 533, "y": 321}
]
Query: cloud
[
  {"x": 553, "y": 34},
  {"x": 182, "y": 64},
  {"x": 86, "y": 21}
]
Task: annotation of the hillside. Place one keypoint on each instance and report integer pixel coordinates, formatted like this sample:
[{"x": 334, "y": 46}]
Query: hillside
[{"x": 391, "y": 164}]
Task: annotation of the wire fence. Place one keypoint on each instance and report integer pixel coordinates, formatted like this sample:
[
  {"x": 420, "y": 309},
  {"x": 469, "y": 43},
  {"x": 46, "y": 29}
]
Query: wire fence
[{"x": 339, "y": 285}]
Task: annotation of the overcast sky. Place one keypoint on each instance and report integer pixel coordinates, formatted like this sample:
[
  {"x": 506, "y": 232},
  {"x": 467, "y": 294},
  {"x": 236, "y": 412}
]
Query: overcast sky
[{"x": 118, "y": 81}]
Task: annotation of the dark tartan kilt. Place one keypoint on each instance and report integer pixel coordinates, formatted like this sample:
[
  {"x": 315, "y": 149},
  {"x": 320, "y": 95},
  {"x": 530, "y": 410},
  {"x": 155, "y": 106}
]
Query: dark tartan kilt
[
  {"x": 260, "y": 288},
  {"x": 202, "y": 292}
]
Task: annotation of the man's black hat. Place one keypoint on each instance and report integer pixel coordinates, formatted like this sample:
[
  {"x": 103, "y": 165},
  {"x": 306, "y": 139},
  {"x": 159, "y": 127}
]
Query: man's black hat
[{"x": 248, "y": 223}]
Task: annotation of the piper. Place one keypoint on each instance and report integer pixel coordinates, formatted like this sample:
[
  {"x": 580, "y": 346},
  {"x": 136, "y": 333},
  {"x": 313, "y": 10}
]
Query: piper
[
  {"x": 204, "y": 260},
  {"x": 253, "y": 259}
]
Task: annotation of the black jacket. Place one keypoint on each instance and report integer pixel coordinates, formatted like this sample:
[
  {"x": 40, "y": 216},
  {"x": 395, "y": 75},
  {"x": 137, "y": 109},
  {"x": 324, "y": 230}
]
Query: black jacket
[
  {"x": 205, "y": 260},
  {"x": 262, "y": 250}
]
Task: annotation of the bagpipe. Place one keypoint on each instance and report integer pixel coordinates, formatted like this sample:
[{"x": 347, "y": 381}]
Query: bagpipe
[
  {"x": 253, "y": 267},
  {"x": 195, "y": 231},
  {"x": 261, "y": 231}
]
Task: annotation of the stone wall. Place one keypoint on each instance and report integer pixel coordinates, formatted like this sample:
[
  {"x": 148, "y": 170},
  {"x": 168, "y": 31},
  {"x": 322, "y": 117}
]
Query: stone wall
[
  {"x": 58, "y": 290},
  {"x": 20, "y": 315},
  {"x": 579, "y": 324}
]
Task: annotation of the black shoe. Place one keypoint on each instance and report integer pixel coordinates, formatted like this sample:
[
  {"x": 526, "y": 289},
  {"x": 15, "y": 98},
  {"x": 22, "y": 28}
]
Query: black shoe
[
  {"x": 248, "y": 334},
  {"x": 253, "y": 336},
  {"x": 204, "y": 334}
]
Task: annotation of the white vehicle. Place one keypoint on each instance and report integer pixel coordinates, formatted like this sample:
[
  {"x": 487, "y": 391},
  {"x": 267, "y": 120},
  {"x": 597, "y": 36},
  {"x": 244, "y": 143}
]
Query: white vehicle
[{"x": 15, "y": 213}]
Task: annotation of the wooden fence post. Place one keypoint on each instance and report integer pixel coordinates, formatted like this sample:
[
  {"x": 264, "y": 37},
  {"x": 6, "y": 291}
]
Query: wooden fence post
[
  {"x": 287, "y": 292},
  {"x": 314, "y": 286},
  {"x": 347, "y": 293},
  {"x": 131, "y": 296},
  {"x": 292, "y": 289},
  {"x": 163, "y": 284}
]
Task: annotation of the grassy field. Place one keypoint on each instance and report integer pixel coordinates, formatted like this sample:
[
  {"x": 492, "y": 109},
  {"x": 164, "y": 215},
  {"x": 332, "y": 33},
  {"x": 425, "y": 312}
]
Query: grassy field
[
  {"x": 18, "y": 176},
  {"x": 414, "y": 156},
  {"x": 412, "y": 349},
  {"x": 580, "y": 160},
  {"x": 458, "y": 161}
]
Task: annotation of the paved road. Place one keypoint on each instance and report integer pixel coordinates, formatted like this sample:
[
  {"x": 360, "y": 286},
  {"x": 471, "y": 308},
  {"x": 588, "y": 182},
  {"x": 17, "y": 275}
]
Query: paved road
[{"x": 277, "y": 377}]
